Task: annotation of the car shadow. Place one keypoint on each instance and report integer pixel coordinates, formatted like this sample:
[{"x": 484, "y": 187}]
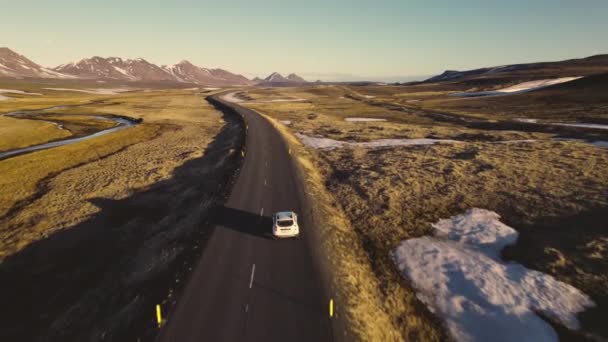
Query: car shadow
[{"x": 244, "y": 222}]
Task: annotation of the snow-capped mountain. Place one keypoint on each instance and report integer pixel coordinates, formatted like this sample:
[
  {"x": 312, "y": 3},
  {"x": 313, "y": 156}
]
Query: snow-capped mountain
[
  {"x": 13, "y": 64},
  {"x": 295, "y": 78},
  {"x": 115, "y": 68},
  {"x": 139, "y": 69},
  {"x": 277, "y": 79},
  {"x": 185, "y": 71}
]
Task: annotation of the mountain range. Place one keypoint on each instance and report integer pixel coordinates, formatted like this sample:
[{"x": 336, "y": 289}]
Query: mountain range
[
  {"x": 276, "y": 79},
  {"x": 13, "y": 64}
]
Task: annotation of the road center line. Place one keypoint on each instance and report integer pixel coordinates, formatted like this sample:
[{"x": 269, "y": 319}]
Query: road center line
[
  {"x": 252, "y": 275},
  {"x": 264, "y": 182},
  {"x": 262, "y": 212}
]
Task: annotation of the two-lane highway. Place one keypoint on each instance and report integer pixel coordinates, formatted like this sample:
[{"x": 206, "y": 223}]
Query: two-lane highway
[{"x": 247, "y": 286}]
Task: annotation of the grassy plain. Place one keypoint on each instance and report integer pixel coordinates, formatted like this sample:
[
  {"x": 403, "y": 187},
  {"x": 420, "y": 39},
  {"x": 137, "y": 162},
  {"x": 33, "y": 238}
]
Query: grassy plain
[
  {"x": 389, "y": 194},
  {"x": 47, "y": 190},
  {"x": 94, "y": 234}
]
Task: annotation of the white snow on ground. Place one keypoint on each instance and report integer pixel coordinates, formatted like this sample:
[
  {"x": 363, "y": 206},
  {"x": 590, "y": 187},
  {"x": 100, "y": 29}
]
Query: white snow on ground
[
  {"x": 514, "y": 141},
  {"x": 459, "y": 275},
  {"x": 2, "y": 98},
  {"x": 527, "y": 86},
  {"x": 231, "y": 97},
  {"x": 330, "y": 144},
  {"x": 285, "y": 122},
  {"x": 13, "y": 91},
  {"x": 585, "y": 125},
  {"x": 518, "y": 88},
  {"x": 99, "y": 91},
  {"x": 368, "y": 96},
  {"x": 363, "y": 119},
  {"x": 526, "y": 120},
  {"x": 601, "y": 143},
  {"x": 278, "y": 100},
  {"x": 212, "y": 88}
]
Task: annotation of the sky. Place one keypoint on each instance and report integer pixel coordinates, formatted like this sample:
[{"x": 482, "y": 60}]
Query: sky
[{"x": 385, "y": 40}]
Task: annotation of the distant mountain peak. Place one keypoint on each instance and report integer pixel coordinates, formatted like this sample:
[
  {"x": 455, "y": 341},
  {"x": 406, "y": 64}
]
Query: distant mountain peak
[
  {"x": 277, "y": 78},
  {"x": 185, "y": 71},
  {"x": 295, "y": 78},
  {"x": 13, "y": 64}
]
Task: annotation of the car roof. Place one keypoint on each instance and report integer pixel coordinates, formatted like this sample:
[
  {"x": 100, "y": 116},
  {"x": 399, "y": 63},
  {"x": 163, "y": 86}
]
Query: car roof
[{"x": 285, "y": 215}]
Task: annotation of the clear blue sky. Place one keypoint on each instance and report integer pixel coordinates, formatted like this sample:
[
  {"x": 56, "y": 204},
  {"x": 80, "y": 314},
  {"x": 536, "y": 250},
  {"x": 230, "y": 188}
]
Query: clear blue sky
[{"x": 339, "y": 39}]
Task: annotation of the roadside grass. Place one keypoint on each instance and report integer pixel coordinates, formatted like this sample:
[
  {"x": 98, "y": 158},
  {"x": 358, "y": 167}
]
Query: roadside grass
[
  {"x": 353, "y": 280},
  {"x": 373, "y": 199}
]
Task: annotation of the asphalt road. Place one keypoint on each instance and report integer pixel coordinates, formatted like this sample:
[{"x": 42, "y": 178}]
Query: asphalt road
[{"x": 247, "y": 286}]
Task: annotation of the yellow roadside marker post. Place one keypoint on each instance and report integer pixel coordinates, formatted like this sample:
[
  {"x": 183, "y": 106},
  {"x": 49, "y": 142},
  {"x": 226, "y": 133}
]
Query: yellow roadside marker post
[
  {"x": 243, "y": 153},
  {"x": 159, "y": 318},
  {"x": 331, "y": 308}
]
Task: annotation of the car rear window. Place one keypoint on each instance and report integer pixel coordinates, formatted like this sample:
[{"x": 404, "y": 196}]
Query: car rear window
[{"x": 285, "y": 223}]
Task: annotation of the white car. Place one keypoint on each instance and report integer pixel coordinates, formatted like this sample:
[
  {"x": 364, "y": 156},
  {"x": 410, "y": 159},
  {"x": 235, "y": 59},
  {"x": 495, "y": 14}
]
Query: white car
[{"x": 285, "y": 224}]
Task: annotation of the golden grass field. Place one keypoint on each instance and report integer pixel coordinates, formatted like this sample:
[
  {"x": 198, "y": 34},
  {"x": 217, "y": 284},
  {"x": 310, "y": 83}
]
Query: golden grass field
[
  {"x": 386, "y": 195},
  {"x": 48, "y": 190}
]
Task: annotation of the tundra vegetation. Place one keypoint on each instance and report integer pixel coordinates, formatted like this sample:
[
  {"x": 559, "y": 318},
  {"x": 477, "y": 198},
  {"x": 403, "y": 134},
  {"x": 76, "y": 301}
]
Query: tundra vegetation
[
  {"x": 92, "y": 233},
  {"x": 552, "y": 190}
]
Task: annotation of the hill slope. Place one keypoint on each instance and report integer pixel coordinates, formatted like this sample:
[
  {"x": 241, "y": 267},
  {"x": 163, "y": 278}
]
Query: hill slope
[{"x": 13, "y": 64}]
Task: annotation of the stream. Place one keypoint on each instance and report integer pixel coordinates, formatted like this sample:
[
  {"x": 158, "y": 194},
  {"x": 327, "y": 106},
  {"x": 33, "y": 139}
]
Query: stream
[{"x": 121, "y": 123}]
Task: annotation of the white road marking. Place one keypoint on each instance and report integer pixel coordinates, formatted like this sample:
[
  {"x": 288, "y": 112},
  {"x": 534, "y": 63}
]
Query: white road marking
[
  {"x": 246, "y": 307},
  {"x": 262, "y": 212},
  {"x": 264, "y": 182},
  {"x": 252, "y": 275},
  {"x": 266, "y": 164}
]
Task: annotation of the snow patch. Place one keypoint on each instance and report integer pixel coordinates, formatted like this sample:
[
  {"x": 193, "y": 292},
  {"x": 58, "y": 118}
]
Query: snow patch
[
  {"x": 363, "y": 119},
  {"x": 232, "y": 97},
  {"x": 601, "y": 143},
  {"x": 518, "y": 88},
  {"x": 526, "y": 120},
  {"x": 285, "y": 122},
  {"x": 122, "y": 71},
  {"x": 98, "y": 91},
  {"x": 584, "y": 125},
  {"x": 515, "y": 141},
  {"x": 459, "y": 275},
  {"x": 330, "y": 144},
  {"x": 278, "y": 100},
  {"x": 13, "y": 91}
]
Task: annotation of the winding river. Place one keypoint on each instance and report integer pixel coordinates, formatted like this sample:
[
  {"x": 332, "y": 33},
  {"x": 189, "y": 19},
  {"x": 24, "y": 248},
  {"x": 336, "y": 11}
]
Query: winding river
[{"x": 121, "y": 123}]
